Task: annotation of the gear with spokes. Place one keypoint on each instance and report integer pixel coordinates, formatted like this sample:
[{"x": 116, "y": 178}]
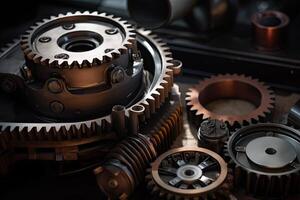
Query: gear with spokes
[
  {"x": 230, "y": 87},
  {"x": 187, "y": 173}
]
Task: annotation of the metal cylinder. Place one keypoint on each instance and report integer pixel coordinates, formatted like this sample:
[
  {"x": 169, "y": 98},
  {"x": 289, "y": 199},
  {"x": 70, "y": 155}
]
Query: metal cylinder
[
  {"x": 269, "y": 30},
  {"x": 294, "y": 115},
  {"x": 118, "y": 120},
  {"x": 157, "y": 13},
  {"x": 135, "y": 113}
]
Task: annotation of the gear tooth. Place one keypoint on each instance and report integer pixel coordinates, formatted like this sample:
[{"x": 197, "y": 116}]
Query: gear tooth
[
  {"x": 86, "y": 12},
  {"x": 77, "y": 13},
  {"x": 69, "y": 14},
  {"x": 52, "y": 17},
  {"x": 103, "y": 14},
  {"x": 95, "y": 13},
  {"x": 61, "y": 15}
]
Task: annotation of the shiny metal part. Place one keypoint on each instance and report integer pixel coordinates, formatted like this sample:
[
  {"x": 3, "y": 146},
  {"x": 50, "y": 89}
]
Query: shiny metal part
[
  {"x": 230, "y": 87},
  {"x": 265, "y": 159},
  {"x": 294, "y": 115},
  {"x": 187, "y": 173},
  {"x": 269, "y": 30},
  {"x": 154, "y": 14}
]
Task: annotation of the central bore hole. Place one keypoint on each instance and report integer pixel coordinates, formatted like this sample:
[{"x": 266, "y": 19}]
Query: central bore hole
[
  {"x": 271, "y": 151},
  {"x": 270, "y": 21},
  {"x": 230, "y": 97},
  {"x": 80, "y": 41},
  {"x": 189, "y": 172}
]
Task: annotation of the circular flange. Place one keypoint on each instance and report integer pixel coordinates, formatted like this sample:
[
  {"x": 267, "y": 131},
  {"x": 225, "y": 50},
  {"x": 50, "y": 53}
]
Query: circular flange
[
  {"x": 188, "y": 172},
  {"x": 271, "y": 152}
]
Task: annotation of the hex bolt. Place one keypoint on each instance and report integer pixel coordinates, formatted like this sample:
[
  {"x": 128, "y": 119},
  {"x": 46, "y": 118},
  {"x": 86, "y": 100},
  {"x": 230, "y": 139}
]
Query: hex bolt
[
  {"x": 45, "y": 39},
  {"x": 55, "y": 86},
  {"x": 68, "y": 26},
  {"x": 56, "y": 107},
  {"x": 108, "y": 50},
  {"x": 61, "y": 56},
  {"x": 117, "y": 75},
  {"x": 112, "y": 31}
]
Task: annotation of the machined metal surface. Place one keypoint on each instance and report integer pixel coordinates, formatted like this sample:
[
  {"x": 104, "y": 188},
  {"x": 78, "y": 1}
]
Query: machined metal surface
[
  {"x": 230, "y": 87},
  {"x": 126, "y": 164},
  {"x": 39, "y": 138},
  {"x": 187, "y": 173},
  {"x": 265, "y": 159},
  {"x": 294, "y": 115},
  {"x": 269, "y": 30}
]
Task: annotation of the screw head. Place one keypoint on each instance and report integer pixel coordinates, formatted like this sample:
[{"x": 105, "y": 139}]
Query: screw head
[
  {"x": 112, "y": 31},
  {"x": 108, "y": 50},
  {"x": 61, "y": 56},
  {"x": 68, "y": 26},
  {"x": 45, "y": 39},
  {"x": 113, "y": 183},
  {"x": 55, "y": 86},
  {"x": 56, "y": 107},
  {"x": 117, "y": 76}
]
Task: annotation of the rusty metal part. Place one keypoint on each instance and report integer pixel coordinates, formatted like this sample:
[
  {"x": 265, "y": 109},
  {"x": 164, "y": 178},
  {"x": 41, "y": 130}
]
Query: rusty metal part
[
  {"x": 212, "y": 134},
  {"x": 265, "y": 160},
  {"x": 269, "y": 29},
  {"x": 187, "y": 173},
  {"x": 134, "y": 154},
  {"x": 66, "y": 140},
  {"x": 230, "y": 87}
]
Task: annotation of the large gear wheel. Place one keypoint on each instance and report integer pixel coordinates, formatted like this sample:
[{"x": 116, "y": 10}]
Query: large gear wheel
[
  {"x": 57, "y": 41},
  {"x": 230, "y": 87},
  {"x": 187, "y": 173},
  {"x": 265, "y": 158},
  {"x": 36, "y": 137}
]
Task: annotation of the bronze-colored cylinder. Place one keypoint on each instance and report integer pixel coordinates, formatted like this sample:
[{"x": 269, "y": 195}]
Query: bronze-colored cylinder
[{"x": 269, "y": 30}]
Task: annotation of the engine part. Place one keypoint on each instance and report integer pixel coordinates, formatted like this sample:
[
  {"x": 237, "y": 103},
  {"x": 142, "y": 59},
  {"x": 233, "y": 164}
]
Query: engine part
[
  {"x": 266, "y": 160},
  {"x": 230, "y": 87},
  {"x": 159, "y": 13},
  {"x": 294, "y": 115},
  {"x": 35, "y": 136},
  {"x": 187, "y": 173},
  {"x": 212, "y": 134},
  {"x": 125, "y": 166},
  {"x": 269, "y": 30}
]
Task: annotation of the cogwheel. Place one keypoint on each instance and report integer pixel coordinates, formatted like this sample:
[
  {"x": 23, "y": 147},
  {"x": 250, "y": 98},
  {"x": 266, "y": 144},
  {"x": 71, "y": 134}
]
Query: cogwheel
[
  {"x": 187, "y": 173},
  {"x": 57, "y": 41},
  {"x": 49, "y": 135},
  {"x": 231, "y": 87},
  {"x": 265, "y": 160}
]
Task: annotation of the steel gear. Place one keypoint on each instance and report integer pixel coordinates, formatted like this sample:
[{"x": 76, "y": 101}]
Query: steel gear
[
  {"x": 125, "y": 166},
  {"x": 265, "y": 158},
  {"x": 37, "y": 138},
  {"x": 230, "y": 86},
  {"x": 187, "y": 173},
  {"x": 213, "y": 134},
  {"x": 44, "y": 46}
]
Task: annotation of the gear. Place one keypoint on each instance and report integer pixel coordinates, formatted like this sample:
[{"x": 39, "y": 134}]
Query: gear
[
  {"x": 126, "y": 163},
  {"x": 63, "y": 139},
  {"x": 266, "y": 161},
  {"x": 213, "y": 134},
  {"x": 56, "y": 41},
  {"x": 187, "y": 173},
  {"x": 230, "y": 86}
]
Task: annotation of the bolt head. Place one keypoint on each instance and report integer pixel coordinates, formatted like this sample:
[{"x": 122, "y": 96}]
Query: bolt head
[
  {"x": 56, "y": 107},
  {"x": 55, "y": 86},
  {"x": 45, "y": 39},
  {"x": 113, "y": 183},
  {"x": 68, "y": 26},
  {"x": 111, "y": 31},
  {"x": 61, "y": 56},
  {"x": 117, "y": 76}
]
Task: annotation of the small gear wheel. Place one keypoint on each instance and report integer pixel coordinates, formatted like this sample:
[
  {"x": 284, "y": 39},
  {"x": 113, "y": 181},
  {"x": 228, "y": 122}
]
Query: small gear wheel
[
  {"x": 230, "y": 87},
  {"x": 265, "y": 159},
  {"x": 187, "y": 173}
]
